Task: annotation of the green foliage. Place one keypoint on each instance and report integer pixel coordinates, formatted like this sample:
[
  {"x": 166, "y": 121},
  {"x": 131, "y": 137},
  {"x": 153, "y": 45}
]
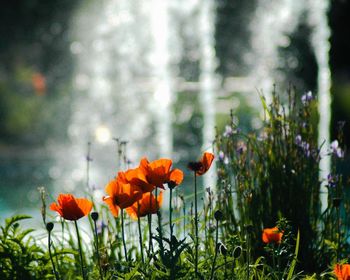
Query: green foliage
[
  {"x": 272, "y": 173},
  {"x": 20, "y": 256}
]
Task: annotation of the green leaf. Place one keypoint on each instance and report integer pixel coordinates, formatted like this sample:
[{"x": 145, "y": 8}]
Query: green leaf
[
  {"x": 263, "y": 102},
  {"x": 292, "y": 266}
]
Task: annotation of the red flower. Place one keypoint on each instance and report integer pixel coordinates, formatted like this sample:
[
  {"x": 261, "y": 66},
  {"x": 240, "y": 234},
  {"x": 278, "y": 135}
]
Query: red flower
[
  {"x": 272, "y": 235},
  {"x": 71, "y": 208},
  {"x": 342, "y": 271},
  {"x": 146, "y": 205},
  {"x": 121, "y": 194},
  {"x": 158, "y": 172},
  {"x": 202, "y": 166}
]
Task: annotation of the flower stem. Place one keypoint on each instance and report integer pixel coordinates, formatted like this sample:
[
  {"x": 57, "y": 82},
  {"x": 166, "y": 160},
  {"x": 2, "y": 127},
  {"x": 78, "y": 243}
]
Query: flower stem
[
  {"x": 53, "y": 264},
  {"x": 160, "y": 229},
  {"x": 338, "y": 229},
  {"x": 171, "y": 233},
  {"x": 248, "y": 255},
  {"x": 140, "y": 233},
  {"x": 196, "y": 224},
  {"x": 216, "y": 249},
  {"x": 149, "y": 219},
  {"x": 80, "y": 250},
  {"x": 123, "y": 236},
  {"x": 170, "y": 217},
  {"x": 97, "y": 251}
]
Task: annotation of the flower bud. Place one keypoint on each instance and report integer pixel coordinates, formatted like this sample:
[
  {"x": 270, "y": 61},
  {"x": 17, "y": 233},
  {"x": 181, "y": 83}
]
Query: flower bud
[
  {"x": 218, "y": 215},
  {"x": 49, "y": 226},
  {"x": 94, "y": 216}
]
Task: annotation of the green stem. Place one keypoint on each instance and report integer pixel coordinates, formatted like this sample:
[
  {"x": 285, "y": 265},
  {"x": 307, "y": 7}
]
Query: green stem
[
  {"x": 80, "y": 250},
  {"x": 216, "y": 249},
  {"x": 171, "y": 234},
  {"x": 150, "y": 245},
  {"x": 338, "y": 229},
  {"x": 160, "y": 229},
  {"x": 196, "y": 224},
  {"x": 184, "y": 219},
  {"x": 149, "y": 219},
  {"x": 53, "y": 264},
  {"x": 97, "y": 251},
  {"x": 248, "y": 255},
  {"x": 123, "y": 236},
  {"x": 140, "y": 233}
]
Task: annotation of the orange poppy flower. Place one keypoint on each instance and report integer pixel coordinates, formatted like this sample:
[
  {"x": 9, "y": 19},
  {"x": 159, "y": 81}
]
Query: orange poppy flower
[
  {"x": 342, "y": 271},
  {"x": 71, "y": 208},
  {"x": 158, "y": 172},
  {"x": 202, "y": 166},
  {"x": 272, "y": 235},
  {"x": 121, "y": 194},
  {"x": 137, "y": 177},
  {"x": 146, "y": 205}
]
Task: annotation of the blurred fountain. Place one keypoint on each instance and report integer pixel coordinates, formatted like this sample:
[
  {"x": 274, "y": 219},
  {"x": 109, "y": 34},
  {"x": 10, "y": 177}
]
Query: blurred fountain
[
  {"x": 128, "y": 57},
  {"x": 271, "y": 29},
  {"x": 318, "y": 20},
  {"x": 122, "y": 87},
  {"x": 134, "y": 58},
  {"x": 207, "y": 79}
]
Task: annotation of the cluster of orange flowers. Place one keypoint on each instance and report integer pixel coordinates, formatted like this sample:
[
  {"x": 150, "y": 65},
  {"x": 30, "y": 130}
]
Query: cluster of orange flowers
[{"x": 132, "y": 190}]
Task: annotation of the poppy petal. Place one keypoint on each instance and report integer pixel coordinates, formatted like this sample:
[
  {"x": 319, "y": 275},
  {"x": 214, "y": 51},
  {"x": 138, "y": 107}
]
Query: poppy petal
[
  {"x": 112, "y": 207},
  {"x": 176, "y": 176},
  {"x": 84, "y": 205},
  {"x": 57, "y": 208}
]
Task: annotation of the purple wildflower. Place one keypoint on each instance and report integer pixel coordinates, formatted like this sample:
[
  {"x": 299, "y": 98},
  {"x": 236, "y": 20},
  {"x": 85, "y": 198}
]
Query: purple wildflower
[
  {"x": 223, "y": 158},
  {"x": 228, "y": 131},
  {"x": 332, "y": 180},
  {"x": 241, "y": 147},
  {"x": 306, "y": 148},
  {"x": 306, "y": 98},
  {"x": 100, "y": 227},
  {"x": 298, "y": 140},
  {"x": 221, "y": 155},
  {"x": 336, "y": 150}
]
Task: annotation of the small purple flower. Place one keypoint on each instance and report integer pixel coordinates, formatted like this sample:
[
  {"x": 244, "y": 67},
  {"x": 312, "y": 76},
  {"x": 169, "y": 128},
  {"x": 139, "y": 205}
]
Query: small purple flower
[
  {"x": 336, "y": 150},
  {"x": 241, "y": 147},
  {"x": 228, "y": 131},
  {"x": 223, "y": 158},
  {"x": 298, "y": 140},
  {"x": 306, "y": 98},
  {"x": 100, "y": 227},
  {"x": 306, "y": 148},
  {"x": 332, "y": 180}
]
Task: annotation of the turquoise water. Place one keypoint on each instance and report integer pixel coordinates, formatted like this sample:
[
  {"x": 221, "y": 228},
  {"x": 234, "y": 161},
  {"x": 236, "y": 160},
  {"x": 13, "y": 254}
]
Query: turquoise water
[{"x": 20, "y": 178}]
